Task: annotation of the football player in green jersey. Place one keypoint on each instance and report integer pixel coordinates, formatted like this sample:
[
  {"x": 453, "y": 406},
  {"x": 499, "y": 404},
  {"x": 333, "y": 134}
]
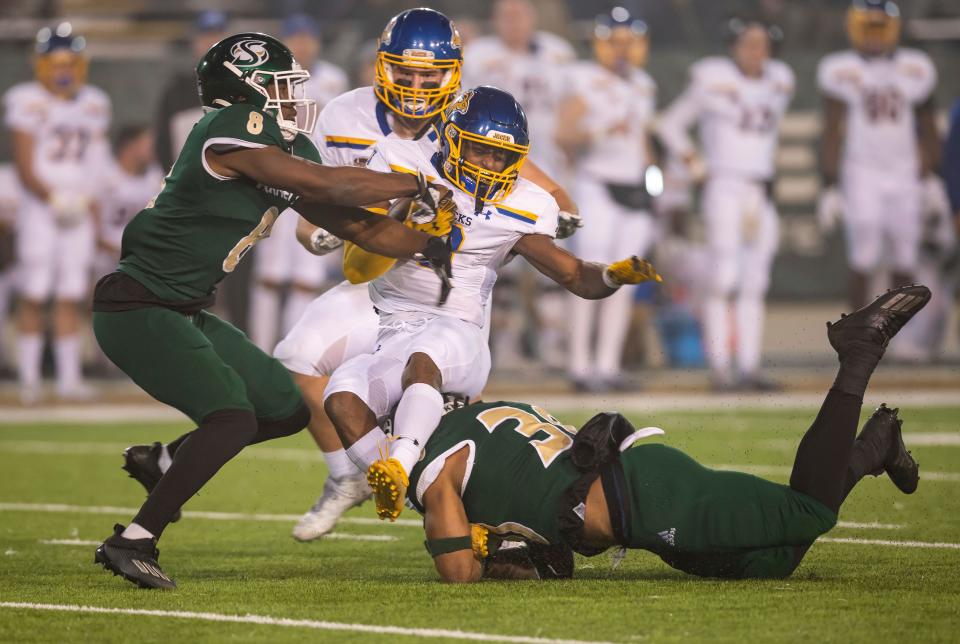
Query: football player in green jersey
[
  {"x": 512, "y": 470},
  {"x": 244, "y": 162}
]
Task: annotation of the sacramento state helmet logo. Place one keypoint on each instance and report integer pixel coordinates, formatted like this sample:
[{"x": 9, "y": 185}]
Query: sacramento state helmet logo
[{"x": 249, "y": 53}]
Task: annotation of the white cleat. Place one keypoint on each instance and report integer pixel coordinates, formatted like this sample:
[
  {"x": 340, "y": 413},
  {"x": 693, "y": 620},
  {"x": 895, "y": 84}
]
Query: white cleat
[
  {"x": 76, "y": 393},
  {"x": 339, "y": 495}
]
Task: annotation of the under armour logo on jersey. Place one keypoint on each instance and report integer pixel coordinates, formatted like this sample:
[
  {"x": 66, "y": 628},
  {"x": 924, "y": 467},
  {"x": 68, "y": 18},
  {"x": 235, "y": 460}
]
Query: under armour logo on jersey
[
  {"x": 669, "y": 536},
  {"x": 487, "y": 214},
  {"x": 249, "y": 53}
]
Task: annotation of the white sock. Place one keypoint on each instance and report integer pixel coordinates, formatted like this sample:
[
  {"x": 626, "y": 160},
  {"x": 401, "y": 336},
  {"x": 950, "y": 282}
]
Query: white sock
[
  {"x": 165, "y": 460},
  {"x": 613, "y": 322},
  {"x": 66, "y": 353},
  {"x": 136, "y": 531},
  {"x": 264, "y": 316},
  {"x": 417, "y": 417},
  {"x": 750, "y": 317},
  {"x": 30, "y": 353},
  {"x": 339, "y": 464},
  {"x": 368, "y": 449},
  {"x": 581, "y": 314},
  {"x": 297, "y": 302},
  {"x": 716, "y": 326}
]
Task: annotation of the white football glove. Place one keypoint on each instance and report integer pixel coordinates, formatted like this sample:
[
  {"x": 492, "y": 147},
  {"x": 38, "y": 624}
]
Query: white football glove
[
  {"x": 829, "y": 209},
  {"x": 322, "y": 242},
  {"x": 425, "y": 205},
  {"x": 69, "y": 208},
  {"x": 567, "y": 224}
]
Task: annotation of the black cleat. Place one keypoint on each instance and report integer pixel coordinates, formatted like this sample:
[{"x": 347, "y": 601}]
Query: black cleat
[
  {"x": 134, "y": 559},
  {"x": 877, "y": 322},
  {"x": 882, "y": 436},
  {"x": 142, "y": 462}
]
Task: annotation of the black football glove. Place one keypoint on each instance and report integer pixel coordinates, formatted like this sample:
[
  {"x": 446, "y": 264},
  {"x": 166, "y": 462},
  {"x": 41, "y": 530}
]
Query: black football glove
[{"x": 438, "y": 254}]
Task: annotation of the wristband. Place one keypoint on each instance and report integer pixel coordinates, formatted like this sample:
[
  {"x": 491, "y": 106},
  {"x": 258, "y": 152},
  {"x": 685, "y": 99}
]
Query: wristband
[
  {"x": 437, "y": 547},
  {"x": 608, "y": 281}
]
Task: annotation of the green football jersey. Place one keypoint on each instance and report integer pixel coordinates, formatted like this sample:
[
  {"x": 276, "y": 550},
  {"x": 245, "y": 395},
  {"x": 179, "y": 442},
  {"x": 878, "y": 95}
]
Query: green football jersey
[
  {"x": 201, "y": 224},
  {"x": 518, "y": 471}
]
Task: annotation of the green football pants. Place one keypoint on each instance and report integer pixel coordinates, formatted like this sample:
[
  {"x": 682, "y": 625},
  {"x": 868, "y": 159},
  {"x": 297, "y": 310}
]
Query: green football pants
[
  {"x": 198, "y": 364},
  {"x": 716, "y": 523}
]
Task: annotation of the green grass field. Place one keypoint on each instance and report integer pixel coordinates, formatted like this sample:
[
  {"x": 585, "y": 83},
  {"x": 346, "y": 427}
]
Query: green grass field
[{"x": 245, "y": 564}]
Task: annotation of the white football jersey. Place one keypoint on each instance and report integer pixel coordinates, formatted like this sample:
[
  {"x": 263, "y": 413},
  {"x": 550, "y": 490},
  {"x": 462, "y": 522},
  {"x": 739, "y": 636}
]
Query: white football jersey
[
  {"x": 70, "y": 136},
  {"x": 535, "y": 78},
  {"x": 738, "y": 117},
  {"x": 880, "y": 94},
  {"x": 121, "y": 197},
  {"x": 10, "y": 194},
  {"x": 351, "y": 125},
  {"x": 621, "y": 108},
  {"x": 482, "y": 242}
]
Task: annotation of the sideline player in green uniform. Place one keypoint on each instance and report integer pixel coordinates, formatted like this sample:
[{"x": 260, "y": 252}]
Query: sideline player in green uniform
[
  {"x": 511, "y": 470},
  {"x": 244, "y": 162}
]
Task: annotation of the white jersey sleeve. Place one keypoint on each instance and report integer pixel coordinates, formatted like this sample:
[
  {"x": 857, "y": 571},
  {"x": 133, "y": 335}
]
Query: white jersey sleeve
[
  {"x": 839, "y": 76},
  {"x": 675, "y": 123},
  {"x": 919, "y": 75},
  {"x": 23, "y": 107},
  {"x": 345, "y": 133}
]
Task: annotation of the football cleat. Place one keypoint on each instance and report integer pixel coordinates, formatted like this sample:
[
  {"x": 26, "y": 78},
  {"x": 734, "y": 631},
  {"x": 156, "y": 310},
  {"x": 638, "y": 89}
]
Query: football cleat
[
  {"x": 878, "y": 322},
  {"x": 133, "y": 559},
  {"x": 389, "y": 483},
  {"x": 142, "y": 462},
  {"x": 882, "y": 435},
  {"x": 339, "y": 495}
]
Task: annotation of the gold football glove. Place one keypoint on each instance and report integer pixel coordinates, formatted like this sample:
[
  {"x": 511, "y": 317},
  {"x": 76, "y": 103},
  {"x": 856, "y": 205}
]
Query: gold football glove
[
  {"x": 440, "y": 225},
  {"x": 630, "y": 271},
  {"x": 480, "y": 537}
]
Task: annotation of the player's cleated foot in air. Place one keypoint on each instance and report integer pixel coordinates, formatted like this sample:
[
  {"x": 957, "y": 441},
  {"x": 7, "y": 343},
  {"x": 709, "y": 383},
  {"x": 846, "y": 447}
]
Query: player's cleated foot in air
[
  {"x": 877, "y": 323},
  {"x": 389, "y": 483},
  {"x": 339, "y": 495},
  {"x": 142, "y": 462},
  {"x": 882, "y": 435},
  {"x": 133, "y": 559}
]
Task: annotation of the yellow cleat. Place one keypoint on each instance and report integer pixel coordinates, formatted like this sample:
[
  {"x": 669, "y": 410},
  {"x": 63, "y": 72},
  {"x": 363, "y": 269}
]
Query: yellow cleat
[{"x": 389, "y": 483}]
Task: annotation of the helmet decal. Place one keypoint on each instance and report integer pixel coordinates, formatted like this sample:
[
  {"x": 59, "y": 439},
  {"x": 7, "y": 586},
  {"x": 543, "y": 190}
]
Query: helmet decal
[
  {"x": 462, "y": 104},
  {"x": 249, "y": 53}
]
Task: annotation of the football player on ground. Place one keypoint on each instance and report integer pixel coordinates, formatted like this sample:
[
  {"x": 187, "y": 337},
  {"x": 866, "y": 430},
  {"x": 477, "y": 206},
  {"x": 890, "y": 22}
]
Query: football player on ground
[
  {"x": 417, "y": 75},
  {"x": 10, "y": 200},
  {"x": 280, "y": 261},
  {"x": 737, "y": 102},
  {"x": 511, "y": 470},
  {"x": 247, "y": 160},
  {"x": 605, "y": 130},
  {"x": 130, "y": 182},
  {"x": 879, "y": 138},
  {"x": 58, "y": 126},
  {"x": 425, "y": 346}
]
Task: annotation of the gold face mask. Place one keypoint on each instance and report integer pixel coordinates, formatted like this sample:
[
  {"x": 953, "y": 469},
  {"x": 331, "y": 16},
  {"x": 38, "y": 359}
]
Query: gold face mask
[
  {"x": 476, "y": 180},
  {"x": 612, "y": 46},
  {"x": 61, "y": 71},
  {"x": 872, "y": 31},
  {"x": 416, "y": 102}
]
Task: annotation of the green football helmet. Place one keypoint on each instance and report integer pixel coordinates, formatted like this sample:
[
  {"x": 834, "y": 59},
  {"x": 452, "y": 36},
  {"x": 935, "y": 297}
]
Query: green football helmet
[{"x": 258, "y": 69}]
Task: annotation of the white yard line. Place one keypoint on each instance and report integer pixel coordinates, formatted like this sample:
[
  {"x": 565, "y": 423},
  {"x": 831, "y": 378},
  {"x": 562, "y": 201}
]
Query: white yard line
[
  {"x": 266, "y": 620},
  {"x": 635, "y": 402},
  {"x": 69, "y": 542},
  {"x": 61, "y": 508},
  {"x": 887, "y": 542},
  {"x": 783, "y": 470}
]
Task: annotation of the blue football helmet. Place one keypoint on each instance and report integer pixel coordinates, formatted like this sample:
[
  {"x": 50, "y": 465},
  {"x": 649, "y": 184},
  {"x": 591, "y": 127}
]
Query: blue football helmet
[
  {"x": 421, "y": 39},
  {"x": 489, "y": 117},
  {"x": 60, "y": 64}
]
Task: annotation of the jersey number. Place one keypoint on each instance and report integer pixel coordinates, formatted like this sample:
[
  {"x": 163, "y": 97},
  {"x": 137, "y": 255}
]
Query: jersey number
[
  {"x": 255, "y": 123},
  {"x": 558, "y": 439},
  {"x": 70, "y": 144},
  {"x": 260, "y": 232},
  {"x": 883, "y": 104}
]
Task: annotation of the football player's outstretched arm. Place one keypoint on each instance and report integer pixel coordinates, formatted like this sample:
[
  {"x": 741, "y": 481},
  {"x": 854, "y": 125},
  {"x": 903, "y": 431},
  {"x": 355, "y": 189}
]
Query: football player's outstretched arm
[
  {"x": 343, "y": 186},
  {"x": 589, "y": 280},
  {"x": 448, "y": 532}
]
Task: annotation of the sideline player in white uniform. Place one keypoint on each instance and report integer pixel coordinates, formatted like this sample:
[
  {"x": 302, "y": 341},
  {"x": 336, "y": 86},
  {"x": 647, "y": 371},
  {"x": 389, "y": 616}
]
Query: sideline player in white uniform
[
  {"x": 605, "y": 131},
  {"x": 879, "y": 109},
  {"x": 737, "y": 103},
  {"x": 418, "y": 74},
  {"x": 280, "y": 260},
  {"x": 425, "y": 345},
  {"x": 132, "y": 180},
  {"x": 58, "y": 125},
  {"x": 10, "y": 200}
]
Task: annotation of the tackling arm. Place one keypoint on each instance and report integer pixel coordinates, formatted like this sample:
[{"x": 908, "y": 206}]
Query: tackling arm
[
  {"x": 343, "y": 186},
  {"x": 444, "y": 521},
  {"x": 589, "y": 280}
]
